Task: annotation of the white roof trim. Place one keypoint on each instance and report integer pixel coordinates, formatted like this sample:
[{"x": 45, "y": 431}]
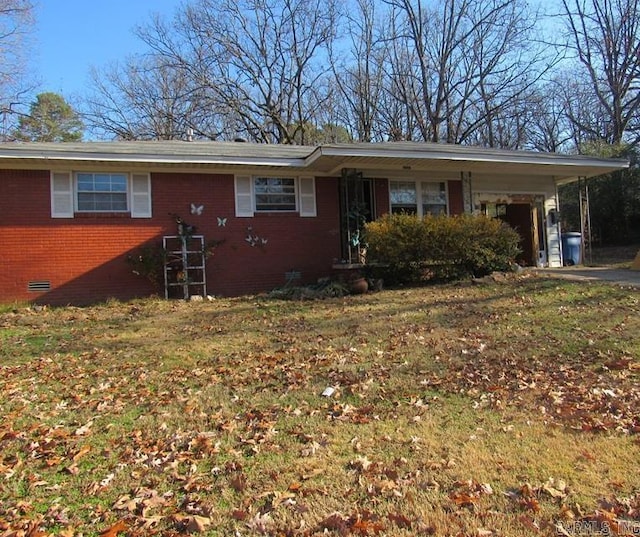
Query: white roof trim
[
  {"x": 155, "y": 159},
  {"x": 326, "y": 159},
  {"x": 461, "y": 153}
]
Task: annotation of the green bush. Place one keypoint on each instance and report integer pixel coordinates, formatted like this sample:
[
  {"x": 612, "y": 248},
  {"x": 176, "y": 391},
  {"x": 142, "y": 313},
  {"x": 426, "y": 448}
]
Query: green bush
[{"x": 405, "y": 249}]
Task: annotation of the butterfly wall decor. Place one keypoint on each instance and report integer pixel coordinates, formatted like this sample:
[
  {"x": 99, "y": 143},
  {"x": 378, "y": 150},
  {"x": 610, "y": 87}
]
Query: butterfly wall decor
[
  {"x": 222, "y": 222},
  {"x": 255, "y": 240},
  {"x": 197, "y": 209}
]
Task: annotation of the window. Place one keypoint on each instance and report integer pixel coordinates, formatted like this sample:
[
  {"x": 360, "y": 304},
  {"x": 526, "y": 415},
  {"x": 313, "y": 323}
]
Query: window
[
  {"x": 434, "y": 198},
  {"x": 101, "y": 192},
  {"x": 403, "y": 197},
  {"x": 275, "y": 193},
  {"x": 89, "y": 192},
  {"x": 418, "y": 197},
  {"x": 494, "y": 210}
]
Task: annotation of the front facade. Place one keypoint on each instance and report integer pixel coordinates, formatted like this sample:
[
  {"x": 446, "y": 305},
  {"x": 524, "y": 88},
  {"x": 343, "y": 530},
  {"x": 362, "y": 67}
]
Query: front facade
[{"x": 70, "y": 214}]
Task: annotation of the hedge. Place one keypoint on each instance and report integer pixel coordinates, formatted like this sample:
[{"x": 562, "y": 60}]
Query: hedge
[{"x": 403, "y": 248}]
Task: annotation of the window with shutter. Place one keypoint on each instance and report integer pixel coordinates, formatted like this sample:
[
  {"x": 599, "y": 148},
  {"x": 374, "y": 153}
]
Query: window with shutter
[
  {"x": 100, "y": 192},
  {"x": 275, "y": 194}
]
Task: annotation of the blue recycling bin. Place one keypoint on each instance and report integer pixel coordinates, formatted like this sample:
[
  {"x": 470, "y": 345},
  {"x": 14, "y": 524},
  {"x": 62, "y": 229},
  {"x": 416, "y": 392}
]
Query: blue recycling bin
[{"x": 572, "y": 248}]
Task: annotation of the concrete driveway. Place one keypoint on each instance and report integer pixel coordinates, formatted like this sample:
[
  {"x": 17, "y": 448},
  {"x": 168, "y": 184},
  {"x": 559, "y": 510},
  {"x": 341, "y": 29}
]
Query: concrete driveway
[{"x": 624, "y": 277}]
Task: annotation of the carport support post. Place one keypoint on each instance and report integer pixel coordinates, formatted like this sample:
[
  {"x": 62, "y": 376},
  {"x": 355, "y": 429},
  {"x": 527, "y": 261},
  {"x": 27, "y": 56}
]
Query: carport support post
[
  {"x": 467, "y": 192},
  {"x": 585, "y": 218}
]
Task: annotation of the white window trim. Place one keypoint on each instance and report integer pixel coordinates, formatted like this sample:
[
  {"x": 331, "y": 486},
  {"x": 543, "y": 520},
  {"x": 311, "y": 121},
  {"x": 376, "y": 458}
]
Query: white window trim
[
  {"x": 76, "y": 194},
  {"x": 296, "y": 194},
  {"x": 418, "y": 186}
]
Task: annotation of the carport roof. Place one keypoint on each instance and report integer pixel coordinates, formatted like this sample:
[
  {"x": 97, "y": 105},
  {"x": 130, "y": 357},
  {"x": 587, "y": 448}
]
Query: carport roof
[{"x": 328, "y": 159}]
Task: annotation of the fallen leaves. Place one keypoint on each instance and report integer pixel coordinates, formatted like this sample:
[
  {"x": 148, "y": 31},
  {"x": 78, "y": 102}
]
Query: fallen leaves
[
  {"x": 160, "y": 419},
  {"x": 360, "y": 523},
  {"x": 192, "y": 523},
  {"x": 573, "y": 394},
  {"x": 113, "y": 531},
  {"x": 468, "y": 493}
]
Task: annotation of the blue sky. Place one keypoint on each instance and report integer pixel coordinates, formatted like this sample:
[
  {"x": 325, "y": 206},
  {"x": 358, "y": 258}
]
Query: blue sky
[{"x": 70, "y": 36}]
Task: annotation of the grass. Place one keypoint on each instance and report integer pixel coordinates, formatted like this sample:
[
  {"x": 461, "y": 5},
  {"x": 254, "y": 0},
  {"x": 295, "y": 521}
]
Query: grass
[
  {"x": 613, "y": 256},
  {"x": 504, "y": 408}
]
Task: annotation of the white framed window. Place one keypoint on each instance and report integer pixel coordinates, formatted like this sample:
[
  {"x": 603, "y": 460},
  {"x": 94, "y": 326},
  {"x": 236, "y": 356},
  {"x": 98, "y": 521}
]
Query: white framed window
[
  {"x": 100, "y": 192},
  {"x": 418, "y": 197},
  {"x": 275, "y": 194}
]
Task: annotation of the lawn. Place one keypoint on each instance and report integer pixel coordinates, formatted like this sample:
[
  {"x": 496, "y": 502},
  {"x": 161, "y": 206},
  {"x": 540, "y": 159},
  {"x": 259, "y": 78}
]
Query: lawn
[{"x": 509, "y": 408}]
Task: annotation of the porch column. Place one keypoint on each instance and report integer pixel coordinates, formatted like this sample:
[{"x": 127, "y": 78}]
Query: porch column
[
  {"x": 467, "y": 192},
  {"x": 585, "y": 219}
]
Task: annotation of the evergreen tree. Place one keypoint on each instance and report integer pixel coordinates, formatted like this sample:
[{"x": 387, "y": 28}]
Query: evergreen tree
[{"x": 50, "y": 119}]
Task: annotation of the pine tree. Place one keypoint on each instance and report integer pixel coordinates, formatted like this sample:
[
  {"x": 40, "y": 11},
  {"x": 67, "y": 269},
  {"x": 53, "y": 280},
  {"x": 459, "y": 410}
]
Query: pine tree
[{"x": 50, "y": 119}]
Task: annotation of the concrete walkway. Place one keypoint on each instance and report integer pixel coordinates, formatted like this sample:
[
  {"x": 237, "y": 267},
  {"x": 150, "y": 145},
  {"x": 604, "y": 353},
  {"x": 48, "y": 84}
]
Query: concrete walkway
[{"x": 624, "y": 277}]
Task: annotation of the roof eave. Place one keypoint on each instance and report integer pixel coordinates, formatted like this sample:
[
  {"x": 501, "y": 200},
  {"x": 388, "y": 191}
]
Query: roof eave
[
  {"x": 565, "y": 168},
  {"x": 156, "y": 159},
  {"x": 330, "y": 159}
]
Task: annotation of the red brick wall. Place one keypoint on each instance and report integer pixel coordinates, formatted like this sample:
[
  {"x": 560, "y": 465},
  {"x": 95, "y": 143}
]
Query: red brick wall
[
  {"x": 456, "y": 201},
  {"x": 305, "y": 245},
  {"x": 84, "y": 257}
]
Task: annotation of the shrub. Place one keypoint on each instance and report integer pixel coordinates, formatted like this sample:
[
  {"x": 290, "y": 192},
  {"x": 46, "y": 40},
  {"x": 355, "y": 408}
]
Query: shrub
[
  {"x": 405, "y": 249},
  {"x": 148, "y": 261}
]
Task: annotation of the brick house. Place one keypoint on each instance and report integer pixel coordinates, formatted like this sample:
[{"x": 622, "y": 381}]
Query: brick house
[{"x": 71, "y": 213}]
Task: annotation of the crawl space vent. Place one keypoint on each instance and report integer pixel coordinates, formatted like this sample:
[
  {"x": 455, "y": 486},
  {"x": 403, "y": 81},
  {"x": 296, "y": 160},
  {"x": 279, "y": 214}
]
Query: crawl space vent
[{"x": 39, "y": 286}]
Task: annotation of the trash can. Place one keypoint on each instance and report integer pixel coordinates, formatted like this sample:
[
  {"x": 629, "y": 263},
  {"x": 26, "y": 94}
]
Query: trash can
[{"x": 572, "y": 248}]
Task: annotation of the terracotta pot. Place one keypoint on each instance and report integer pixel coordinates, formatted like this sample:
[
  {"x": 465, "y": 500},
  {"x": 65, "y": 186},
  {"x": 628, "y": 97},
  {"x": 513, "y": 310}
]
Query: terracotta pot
[{"x": 358, "y": 286}]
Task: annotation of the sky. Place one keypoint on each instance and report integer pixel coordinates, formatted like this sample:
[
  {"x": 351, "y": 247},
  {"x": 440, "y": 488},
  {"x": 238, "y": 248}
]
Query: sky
[{"x": 71, "y": 36}]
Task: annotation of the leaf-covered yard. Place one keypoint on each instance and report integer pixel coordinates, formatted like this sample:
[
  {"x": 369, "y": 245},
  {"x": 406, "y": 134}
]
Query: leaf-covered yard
[{"x": 506, "y": 408}]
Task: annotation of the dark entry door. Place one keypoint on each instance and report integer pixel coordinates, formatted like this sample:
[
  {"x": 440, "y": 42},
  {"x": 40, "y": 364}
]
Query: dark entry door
[{"x": 519, "y": 217}]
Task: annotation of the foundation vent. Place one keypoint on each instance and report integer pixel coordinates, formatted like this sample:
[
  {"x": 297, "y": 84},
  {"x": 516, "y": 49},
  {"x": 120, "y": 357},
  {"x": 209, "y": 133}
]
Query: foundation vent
[
  {"x": 38, "y": 286},
  {"x": 292, "y": 276}
]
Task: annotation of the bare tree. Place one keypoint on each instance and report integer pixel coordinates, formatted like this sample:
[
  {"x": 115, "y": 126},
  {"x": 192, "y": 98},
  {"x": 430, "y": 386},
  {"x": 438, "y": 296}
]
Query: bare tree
[
  {"x": 505, "y": 64},
  {"x": 261, "y": 62},
  {"x": 459, "y": 64},
  {"x": 16, "y": 18},
  {"x": 604, "y": 36},
  {"x": 360, "y": 77},
  {"x": 550, "y": 129},
  {"x": 147, "y": 99}
]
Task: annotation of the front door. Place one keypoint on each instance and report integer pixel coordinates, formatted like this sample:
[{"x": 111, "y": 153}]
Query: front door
[
  {"x": 519, "y": 216},
  {"x": 526, "y": 217}
]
